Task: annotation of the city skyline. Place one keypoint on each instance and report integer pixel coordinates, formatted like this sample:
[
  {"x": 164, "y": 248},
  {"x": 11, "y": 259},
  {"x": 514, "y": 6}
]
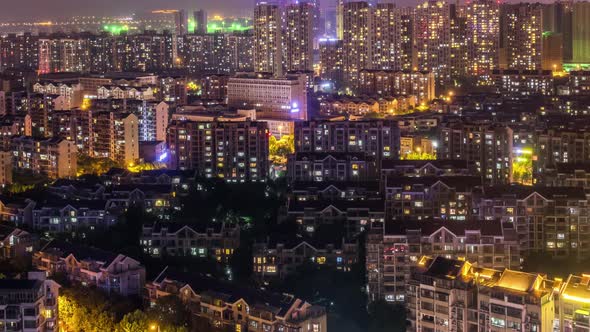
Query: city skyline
[
  {"x": 17, "y": 11},
  {"x": 295, "y": 166}
]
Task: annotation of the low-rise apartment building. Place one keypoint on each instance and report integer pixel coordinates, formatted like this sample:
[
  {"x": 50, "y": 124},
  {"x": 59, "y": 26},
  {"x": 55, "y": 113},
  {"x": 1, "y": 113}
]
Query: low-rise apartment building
[
  {"x": 224, "y": 306},
  {"x": 29, "y": 305},
  {"x": 88, "y": 266},
  {"x": 217, "y": 241},
  {"x": 278, "y": 259},
  {"x": 550, "y": 220},
  {"x": 444, "y": 197}
]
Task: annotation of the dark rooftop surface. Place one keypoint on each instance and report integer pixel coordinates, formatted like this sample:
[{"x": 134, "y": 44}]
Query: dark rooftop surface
[
  {"x": 428, "y": 227},
  {"x": 64, "y": 249},
  {"x": 444, "y": 268},
  {"x": 521, "y": 192},
  {"x": 18, "y": 284}
]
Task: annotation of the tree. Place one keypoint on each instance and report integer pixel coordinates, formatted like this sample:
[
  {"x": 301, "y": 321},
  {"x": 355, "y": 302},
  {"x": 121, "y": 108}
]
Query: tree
[
  {"x": 418, "y": 156},
  {"x": 136, "y": 321},
  {"x": 76, "y": 305},
  {"x": 96, "y": 166},
  {"x": 278, "y": 150}
]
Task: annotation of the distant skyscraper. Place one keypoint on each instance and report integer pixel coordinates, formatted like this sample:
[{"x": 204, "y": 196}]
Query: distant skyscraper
[
  {"x": 483, "y": 33},
  {"x": 552, "y": 51},
  {"x": 298, "y": 33},
  {"x": 19, "y": 51},
  {"x": 181, "y": 22},
  {"x": 581, "y": 32},
  {"x": 331, "y": 61},
  {"x": 433, "y": 38},
  {"x": 522, "y": 26},
  {"x": 62, "y": 54},
  {"x": 330, "y": 17},
  {"x": 267, "y": 39},
  {"x": 200, "y": 17},
  {"x": 356, "y": 23}
]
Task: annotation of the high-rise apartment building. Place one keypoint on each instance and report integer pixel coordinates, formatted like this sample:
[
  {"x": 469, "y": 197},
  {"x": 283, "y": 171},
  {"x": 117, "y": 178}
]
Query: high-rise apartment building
[
  {"x": 457, "y": 295},
  {"x": 489, "y": 147},
  {"x": 102, "y": 52},
  {"x": 146, "y": 51},
  {"x": 432, "y": 33},
  {"x": 63, "y": 54},
  {"x": 374, "y": 138},
  {"x": 234, "y": 151},
  {"x": 180, "y": 22},
  {"x": 240, "y": 46},
  {"x": 206, "y": 53},
  {"x": 268, "y": 39},
  {"x": 19, "y": 51},
  {"x": 200, "y": 21},
  {"x": 53, "y": 157},
  {"x": 459, "y": 41},
  {"x": 357, "y": 40},
  {"x": 385, "y": 37},
  {"x": 552, "y": 51},
  {"x": 116, "y": 136},
  {"x": 406, "y": 38},
  {"x": 557, "y": 20},
  {"x": 483, "y": 38},
  {"x": 298, "y": 36},
  {"x": 522, "y": 36},
  {"x": 581, "y": 32},
  {"x": 332, "y": 61},
  {"x": 391, "y": 83},
  {"x": 392, "y": 252}
]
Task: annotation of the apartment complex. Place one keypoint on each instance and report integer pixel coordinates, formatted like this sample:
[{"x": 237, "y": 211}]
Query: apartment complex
[
  {"x": 115, "y": 136},
  {"x": 375, "y": 138},
  {"x": 392, "y": 252},
  {"x": 54, "y": 157},
  {"x": 488, "y": 146},
  {"x": 393, "y": 83},
  {"x": 551, "y": 220},
  {"x": 451, "y": 295},
  {"x": 232, "y": 150}
]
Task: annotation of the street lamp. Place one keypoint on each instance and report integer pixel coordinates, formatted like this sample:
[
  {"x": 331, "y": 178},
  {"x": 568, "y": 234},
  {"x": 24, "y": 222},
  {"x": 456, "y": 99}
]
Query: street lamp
[{"x": 155, "y": 327}]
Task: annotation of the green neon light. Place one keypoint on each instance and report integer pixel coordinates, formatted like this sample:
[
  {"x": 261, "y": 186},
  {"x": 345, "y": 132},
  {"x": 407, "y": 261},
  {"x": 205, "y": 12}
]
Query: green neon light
[
  {"x": 116, "y": 29},
  {"x": 228, "y": 26},
  {"x": 192, "y": 25},
  {"x": 575, "y": 66}
]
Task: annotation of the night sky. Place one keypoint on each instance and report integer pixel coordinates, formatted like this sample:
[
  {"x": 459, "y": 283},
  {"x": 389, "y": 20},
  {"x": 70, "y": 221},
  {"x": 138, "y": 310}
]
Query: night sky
[{"x": 19, "y": 10}]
